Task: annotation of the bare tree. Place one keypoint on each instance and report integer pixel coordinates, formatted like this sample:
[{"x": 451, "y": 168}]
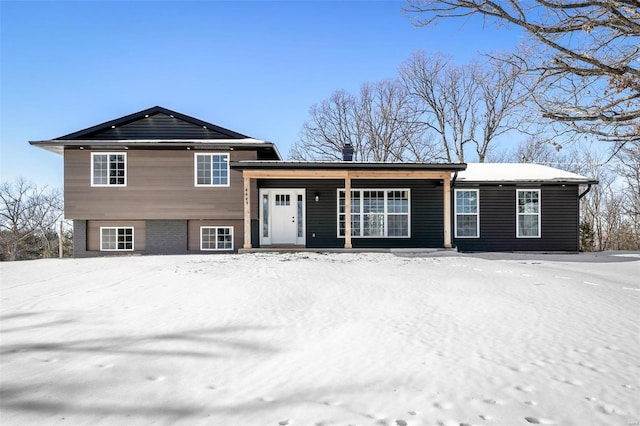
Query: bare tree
[
  {"x": 501, "y": 102},
  {"x": 380, "y": 123},
  {"x": 536, "y": 149},
  {"x": 629, "y": 169},
  {"x": 333, "y": 124},
  {"x": 28, "y": 216},
  {"x": 583, "y": 54},
  {"x": 464, "y": 106}
]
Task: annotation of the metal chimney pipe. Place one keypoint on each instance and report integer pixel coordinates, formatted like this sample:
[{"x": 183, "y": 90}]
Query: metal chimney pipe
[{"x": 347, "y": 152}]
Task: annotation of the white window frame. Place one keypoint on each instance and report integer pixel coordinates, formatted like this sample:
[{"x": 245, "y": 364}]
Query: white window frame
[
  {"x": 202, "y": 248},
  {"x": 385, "y": 213},
  {"x": 538, "y": 213},
  {"x": 210, "y": 155},
  {"x": 93, "y": 155},
  {"x": 456, "y": 214},
  {"x": 118, "y": 228}
]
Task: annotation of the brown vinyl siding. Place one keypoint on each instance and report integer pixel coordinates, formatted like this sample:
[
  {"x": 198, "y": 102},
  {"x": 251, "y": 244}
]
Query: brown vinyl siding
[
  {"x": 194, "y": 232},
  {"x": 160, "y": 185},
  {"x": 93, "y": 232}
]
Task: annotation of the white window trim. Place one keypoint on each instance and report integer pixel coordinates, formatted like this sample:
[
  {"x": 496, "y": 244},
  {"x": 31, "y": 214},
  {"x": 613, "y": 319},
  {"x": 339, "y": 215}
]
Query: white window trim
[
  {"x": 539, "y": 214},
  {"x": 270, "y": 192},
  {"x": 386, "y": 214},
  {"x": 133, "y": 237},
  {"x": 455, "y": 210},
  {"x": 210, "y": 155},
  {"x": 216, "y": 228},
  {"x": 126, "y": 167}
]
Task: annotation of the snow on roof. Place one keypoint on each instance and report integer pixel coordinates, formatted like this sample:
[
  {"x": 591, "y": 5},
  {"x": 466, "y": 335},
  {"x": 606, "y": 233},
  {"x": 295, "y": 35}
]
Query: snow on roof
[{"x": 518, "y": 172}]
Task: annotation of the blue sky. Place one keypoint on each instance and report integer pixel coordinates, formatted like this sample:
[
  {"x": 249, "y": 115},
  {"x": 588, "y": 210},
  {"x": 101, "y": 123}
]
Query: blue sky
[{"x": 253, "y": 67}]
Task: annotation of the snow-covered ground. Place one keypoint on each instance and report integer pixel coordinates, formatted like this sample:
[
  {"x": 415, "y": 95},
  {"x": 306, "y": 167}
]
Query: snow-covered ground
[{"x": 321, "y": 339}]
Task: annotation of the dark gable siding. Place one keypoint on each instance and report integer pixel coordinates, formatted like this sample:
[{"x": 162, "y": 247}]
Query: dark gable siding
[
  {"x": 157, "y": 126},
  {"x": 427, "y": 226},
  {"x": 498, "y": 220}
]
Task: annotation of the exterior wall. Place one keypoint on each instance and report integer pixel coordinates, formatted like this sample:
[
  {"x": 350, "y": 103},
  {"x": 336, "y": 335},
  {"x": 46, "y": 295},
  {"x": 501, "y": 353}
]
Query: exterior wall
[
  {"x": 194, "y": 232},
  {"x": 79, "y": 238},
  {"x": 160, "y": 185},
  {"x": 139, "y": 233},
  {"x": 427, "y": 210},
  {"x": 559, "y": 220},
  {"x": 166, "y": 236}
]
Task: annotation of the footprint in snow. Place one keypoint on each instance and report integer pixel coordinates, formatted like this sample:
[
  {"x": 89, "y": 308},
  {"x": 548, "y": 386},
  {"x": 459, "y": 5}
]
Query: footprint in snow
[
  {"x": 155, "y": 378},
  {"x": 443, "y": 405},
  {"x": 526, "y": 389},
  {"x": 538, "y": 421},
  {"x": 611, "y": 409},
  {"x": 104, "y": 365},
  {"x": 413, "y": 413},
  {"x": 519, "y": 369},
  {"x": 401, "y": 422},
  {"x": 284, "y": 422},
  {"x": 531, "y": 402},
  {"x": 485, "y": 417}
]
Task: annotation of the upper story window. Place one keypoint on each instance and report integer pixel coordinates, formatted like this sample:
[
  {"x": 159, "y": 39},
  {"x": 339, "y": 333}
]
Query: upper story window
[
  {"x": 528, "y": 213},
  {"x": 467, "y": 224},
  {"x": 212, "y": 169},
  {"x": 108, "y": 169},
  {"x": 381, "y": 213}
]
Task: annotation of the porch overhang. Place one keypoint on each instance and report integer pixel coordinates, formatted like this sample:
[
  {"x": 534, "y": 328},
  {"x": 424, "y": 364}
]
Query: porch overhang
[{"x": 347, "y": 172}]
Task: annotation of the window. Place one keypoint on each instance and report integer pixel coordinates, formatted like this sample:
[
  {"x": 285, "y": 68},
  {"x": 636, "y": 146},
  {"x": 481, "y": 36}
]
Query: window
[
  {"x": 381, "y": 213},
  {"x": 300, "y": 218},
  {"x": 216, "y": 238},
  {"x": 108, "y": 169},
  {"x": 467, "y": 224},
  {"x": 116, "y": 239},
  {"x": 212, "y": 169},
  {"x": 283, "y": 200},
  {"x": 528, "y": 213}
]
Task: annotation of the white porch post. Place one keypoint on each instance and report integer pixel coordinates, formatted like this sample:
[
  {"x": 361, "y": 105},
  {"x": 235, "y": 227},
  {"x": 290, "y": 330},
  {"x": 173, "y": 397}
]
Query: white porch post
[
  {"x": 447, "y": 210},
  {"x": 247, "y": 213},
  {"x": 347, "y": 212}
]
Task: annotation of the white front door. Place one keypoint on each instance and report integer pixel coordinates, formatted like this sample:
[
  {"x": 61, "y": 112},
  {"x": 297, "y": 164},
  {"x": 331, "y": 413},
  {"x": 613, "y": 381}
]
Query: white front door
[{"x": 282, "y": 216}]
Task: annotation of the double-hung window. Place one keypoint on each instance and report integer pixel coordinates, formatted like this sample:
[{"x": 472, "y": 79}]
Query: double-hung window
[
  {"x": 528, "y": 213},
  {"x": 376, "y": 213},
  {"x": 212, "y": 169},
  {"x": 116, "y": 239},
  {"x": 216, "y": 238},
  {"x": 108, "y": 169},
  {"x": 467, "y": 224}
]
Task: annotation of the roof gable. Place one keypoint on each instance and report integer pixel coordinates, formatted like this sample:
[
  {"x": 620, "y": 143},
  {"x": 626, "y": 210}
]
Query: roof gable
[{"x": 154, "y": 123}]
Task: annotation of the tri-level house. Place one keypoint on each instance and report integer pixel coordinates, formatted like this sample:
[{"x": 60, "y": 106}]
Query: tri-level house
[{"x": 161, "y": 182}]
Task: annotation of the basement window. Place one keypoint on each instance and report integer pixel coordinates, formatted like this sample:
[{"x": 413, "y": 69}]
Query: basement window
[
  {"x": 216, "y": 238},
  {"x": 116, "y": 239}
]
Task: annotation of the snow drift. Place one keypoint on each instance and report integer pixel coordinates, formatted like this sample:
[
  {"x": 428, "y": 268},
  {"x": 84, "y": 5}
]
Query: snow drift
[{"x": 320, "y": 339}]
